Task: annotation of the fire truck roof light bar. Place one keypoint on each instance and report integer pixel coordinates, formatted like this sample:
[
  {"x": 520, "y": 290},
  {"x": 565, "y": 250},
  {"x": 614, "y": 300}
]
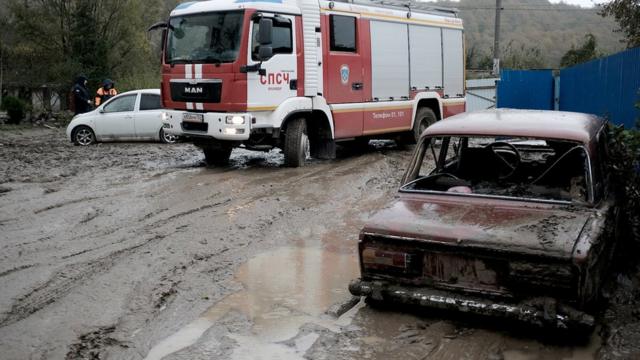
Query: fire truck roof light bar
[{"x": 406, "y": 4}]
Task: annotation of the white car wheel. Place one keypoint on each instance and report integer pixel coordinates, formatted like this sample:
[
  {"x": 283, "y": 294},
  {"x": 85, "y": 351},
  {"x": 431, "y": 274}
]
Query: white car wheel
[
  {"x": 83, "y": 136},
  {"x": 167, "y": 138}
]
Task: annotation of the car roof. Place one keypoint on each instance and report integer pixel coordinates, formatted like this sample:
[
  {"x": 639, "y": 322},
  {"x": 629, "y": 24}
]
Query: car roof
[
  {"x": 143, "y": 91},
  {"x": 542, "y": 124}
]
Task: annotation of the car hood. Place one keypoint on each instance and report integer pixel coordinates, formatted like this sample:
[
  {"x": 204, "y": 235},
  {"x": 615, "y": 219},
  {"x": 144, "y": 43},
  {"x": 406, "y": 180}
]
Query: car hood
[
  {"x": 82, "y": 119},
  {"x": 87, "y": 114},
  {"x": 503, "y": 225}
]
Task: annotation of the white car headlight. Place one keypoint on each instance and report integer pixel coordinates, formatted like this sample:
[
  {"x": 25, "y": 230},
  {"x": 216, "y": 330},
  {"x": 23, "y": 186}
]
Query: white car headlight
[
  {"x": 235, "y": 120},
  {"x": 164, "y": 116}
]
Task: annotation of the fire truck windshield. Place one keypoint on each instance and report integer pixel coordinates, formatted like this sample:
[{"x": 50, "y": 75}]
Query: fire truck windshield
[{"x": 204, "y": 38}]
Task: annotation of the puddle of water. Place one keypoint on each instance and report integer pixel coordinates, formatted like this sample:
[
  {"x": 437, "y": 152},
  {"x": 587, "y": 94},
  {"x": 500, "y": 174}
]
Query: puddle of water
[
  {"x": 588, "y": 351},
  {"x": 283, "y": 290}
]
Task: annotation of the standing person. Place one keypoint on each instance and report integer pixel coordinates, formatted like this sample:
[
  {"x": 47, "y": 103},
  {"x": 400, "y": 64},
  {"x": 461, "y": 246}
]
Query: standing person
[
  {"x": 106, "y": 92},
  {"x": 81, "y": 97}
]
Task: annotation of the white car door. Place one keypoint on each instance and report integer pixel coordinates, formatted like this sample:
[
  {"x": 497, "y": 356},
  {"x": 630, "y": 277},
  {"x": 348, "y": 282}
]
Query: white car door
[
  {"x": 148, "y": 118},
  {"x": 116, "y": 120}
]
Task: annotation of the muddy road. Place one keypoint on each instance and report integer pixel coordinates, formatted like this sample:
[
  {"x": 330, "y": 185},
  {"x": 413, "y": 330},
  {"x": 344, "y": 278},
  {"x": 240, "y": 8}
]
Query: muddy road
[{"x": 139, "y": 251}]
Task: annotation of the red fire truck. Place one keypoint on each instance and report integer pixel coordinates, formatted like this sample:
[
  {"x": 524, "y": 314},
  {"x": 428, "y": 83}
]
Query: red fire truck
[{"x": 301, "y": 75}]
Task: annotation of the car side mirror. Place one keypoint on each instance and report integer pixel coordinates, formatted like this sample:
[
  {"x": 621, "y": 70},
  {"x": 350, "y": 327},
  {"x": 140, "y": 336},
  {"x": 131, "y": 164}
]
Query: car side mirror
[
  {"x": 101, "y": 110},
  {"x": 266, "y": 29},
  {"x": 265, "y": 52}
]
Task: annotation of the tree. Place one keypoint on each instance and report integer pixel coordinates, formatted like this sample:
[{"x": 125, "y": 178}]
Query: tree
[
  {"x": 522, "y": 57},
  {"x": 587, "y": 51},
  {"x": 478, "y": 59},
  {"x": 627, "y": 14},
  {"x": 59, "y": 39}
]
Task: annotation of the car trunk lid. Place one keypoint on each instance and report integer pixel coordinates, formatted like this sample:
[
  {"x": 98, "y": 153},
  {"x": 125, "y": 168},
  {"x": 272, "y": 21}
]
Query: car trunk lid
[{"x": 525, "y": 227}]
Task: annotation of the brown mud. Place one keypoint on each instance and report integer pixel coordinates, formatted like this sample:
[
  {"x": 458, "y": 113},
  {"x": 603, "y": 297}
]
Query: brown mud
[{"x": 134, "y": 251}]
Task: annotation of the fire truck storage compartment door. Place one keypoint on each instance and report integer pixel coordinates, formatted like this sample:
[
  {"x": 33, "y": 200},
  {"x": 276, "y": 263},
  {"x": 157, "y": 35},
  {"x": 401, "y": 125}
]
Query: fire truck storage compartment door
[
  {"x": 453, "y": 56},
  {"x": 389, "y": 60},
  {"x": 426, "y": 56}
]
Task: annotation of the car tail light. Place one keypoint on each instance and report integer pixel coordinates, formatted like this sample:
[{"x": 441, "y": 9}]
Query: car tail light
[{"x": 387, "y": 261}]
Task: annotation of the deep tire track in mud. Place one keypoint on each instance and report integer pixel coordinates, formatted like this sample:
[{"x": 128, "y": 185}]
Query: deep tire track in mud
[
  {"x": 62, "y": 282},
  {"x": 59, "y": 205},
  {"x": 18, "y": 268}
]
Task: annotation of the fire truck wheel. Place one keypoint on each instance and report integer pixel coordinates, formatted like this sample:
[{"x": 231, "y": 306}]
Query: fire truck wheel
[
  {"x": 425, "y": 117},
  {"x": 296, "y": 143},
  {"x": 217, "y": 156}
]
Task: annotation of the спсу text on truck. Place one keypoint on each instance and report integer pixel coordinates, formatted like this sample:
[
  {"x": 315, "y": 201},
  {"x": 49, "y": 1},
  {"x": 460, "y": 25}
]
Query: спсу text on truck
[{"x": 302, "y": 75}]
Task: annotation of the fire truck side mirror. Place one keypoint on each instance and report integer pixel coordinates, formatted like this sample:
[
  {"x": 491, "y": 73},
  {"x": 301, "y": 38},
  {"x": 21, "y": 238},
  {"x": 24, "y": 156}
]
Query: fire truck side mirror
[
  {"x": 265, "y": 52},
  {"x": 264, "y": 34}
]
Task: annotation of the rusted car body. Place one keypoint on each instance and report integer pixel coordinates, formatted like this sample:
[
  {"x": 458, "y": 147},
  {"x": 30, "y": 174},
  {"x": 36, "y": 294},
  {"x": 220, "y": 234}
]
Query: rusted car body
[{"x": 506, "y": 213}]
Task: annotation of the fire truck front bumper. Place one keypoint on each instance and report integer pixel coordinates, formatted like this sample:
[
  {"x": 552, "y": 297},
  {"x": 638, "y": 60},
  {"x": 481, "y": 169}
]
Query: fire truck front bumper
[{"x": 220, "y": 126}]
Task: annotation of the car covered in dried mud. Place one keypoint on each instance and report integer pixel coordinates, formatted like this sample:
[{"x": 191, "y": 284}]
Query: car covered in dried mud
[{"x": 504, "y": 213}]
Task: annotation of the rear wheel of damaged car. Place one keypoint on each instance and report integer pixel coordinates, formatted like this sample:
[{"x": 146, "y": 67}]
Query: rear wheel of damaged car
[
  {"x": 296, "y": 143},
  {"x": 217, "y": 155},
  {"x": 83, "y": 136},
  {"x": 425, "y": 117}
]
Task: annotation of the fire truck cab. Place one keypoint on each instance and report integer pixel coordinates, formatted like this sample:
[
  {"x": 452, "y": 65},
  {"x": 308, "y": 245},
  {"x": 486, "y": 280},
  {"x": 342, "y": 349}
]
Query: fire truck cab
[{"x": 301, "y": 75}]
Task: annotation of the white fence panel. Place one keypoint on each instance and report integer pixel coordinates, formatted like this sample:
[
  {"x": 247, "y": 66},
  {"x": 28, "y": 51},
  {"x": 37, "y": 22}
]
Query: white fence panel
[{"x": 481, "y": 94}]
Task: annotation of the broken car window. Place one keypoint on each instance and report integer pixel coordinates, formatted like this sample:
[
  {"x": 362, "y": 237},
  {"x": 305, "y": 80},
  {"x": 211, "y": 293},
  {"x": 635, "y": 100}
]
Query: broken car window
[{"x": 499, "y": 166}]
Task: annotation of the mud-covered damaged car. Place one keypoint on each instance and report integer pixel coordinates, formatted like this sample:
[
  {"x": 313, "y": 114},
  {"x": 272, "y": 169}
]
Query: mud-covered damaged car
[{"x": 505, "y": 213}]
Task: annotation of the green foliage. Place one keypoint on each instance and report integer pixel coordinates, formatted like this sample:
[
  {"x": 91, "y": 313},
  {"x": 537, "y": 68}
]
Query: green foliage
[
  {"x": 52, "y": 41},
  {"x": 627, "y": 14},
  {"x": 552, "y": 28},
  {"x": 624, "y": 167},
  {"x": 15, "y": 108},
  {"x": 478, "y": 59},
  {"x": 522, "y": 57},
  {"x": 587, "y": 51}
]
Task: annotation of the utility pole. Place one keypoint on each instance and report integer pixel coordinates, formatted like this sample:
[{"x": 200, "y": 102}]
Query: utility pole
[
  {"x": 496, "y": 40},
  {"x": 1, "y": 70}
]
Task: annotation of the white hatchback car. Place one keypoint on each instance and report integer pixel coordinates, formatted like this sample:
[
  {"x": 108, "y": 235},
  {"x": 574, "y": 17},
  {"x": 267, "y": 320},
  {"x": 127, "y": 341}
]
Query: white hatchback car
[{"x": 134, "y": 115}]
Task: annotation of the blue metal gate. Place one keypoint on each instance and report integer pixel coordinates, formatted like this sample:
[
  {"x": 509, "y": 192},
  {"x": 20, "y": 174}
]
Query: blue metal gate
[
  {"x": 607, "y": 87},
  {"x": 526, "y": 89}
]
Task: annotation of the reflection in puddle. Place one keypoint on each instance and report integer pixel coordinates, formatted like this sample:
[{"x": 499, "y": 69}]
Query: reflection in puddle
[{"x": 283, "y": 290}]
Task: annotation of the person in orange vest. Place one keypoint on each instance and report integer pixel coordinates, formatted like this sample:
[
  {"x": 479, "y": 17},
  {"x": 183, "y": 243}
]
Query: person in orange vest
[{"x": 106, "y": 92}]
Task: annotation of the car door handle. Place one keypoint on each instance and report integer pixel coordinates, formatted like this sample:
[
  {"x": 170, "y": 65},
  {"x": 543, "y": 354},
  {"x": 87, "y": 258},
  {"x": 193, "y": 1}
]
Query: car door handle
[{"x": 357, "y": 86}]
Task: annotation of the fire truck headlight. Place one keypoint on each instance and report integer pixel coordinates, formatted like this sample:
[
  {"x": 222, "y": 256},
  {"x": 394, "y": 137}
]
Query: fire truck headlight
[{"x": 235, "y": 120}]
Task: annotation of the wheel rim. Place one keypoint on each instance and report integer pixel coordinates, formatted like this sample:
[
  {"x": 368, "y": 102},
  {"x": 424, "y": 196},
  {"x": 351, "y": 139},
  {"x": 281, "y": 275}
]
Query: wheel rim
[
  {"x": 84, "y": 137},
  {"x": 169, "y": 138},
  {"x": 304, "y": 144}
]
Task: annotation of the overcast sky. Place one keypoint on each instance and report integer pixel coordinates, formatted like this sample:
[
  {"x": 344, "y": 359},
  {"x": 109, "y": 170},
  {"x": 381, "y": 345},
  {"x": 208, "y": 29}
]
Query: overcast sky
[{"x": 583, "y": 3}]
